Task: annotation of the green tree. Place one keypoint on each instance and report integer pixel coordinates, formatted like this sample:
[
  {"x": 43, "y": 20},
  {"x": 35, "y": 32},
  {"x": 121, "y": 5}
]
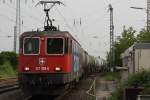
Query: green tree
[
  {"x": 143, "y": 36},
  {"x": 123, "y": 42}
]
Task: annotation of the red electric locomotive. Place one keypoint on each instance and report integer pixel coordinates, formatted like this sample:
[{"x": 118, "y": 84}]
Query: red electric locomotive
[
  {"x": 47, "y": 59},
  {"x": 50, "y": 60}
]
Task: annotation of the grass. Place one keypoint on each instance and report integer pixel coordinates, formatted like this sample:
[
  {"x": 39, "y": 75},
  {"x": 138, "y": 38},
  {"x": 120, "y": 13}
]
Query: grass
[
  {"x": 7, "y": 71},
  {"x": 111, "y": 76}
]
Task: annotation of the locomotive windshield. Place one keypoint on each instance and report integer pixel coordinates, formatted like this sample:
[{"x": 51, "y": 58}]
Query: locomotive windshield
[
  {"x": 55, "y": 45},
  {"x": 31, "y": 45}
]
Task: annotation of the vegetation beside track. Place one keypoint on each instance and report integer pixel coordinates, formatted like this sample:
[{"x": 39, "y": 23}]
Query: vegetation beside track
[
  {"x": 8, "y": 65},
  {"x": 141, "y": 79},
  {"x": 111, "y": 76}
]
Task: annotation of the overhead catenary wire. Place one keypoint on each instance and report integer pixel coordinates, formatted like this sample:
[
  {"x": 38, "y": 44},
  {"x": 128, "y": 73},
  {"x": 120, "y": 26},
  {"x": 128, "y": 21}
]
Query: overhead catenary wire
[
  {"x": 11, "y": 1},
  {"x": 7, "y": 36},
  {"x": 25, "y": 15},
  {"x": 64, "y": 20},
  {"x": 10, "y": 19},
  {"x": 114, "y": 3},
  {"x": 95, "y": 20},
  {"x": 82, "y": 27},
  {"x": 106, "y": 7},
  {"x": 103, "y": 16},
  {"x": 74, "y": 18},
  {"x": 76, "y": 27}
]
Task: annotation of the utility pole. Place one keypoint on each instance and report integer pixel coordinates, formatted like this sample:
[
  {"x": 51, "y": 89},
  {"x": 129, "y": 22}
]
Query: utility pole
[
  {"x": 112, "y": 56},
  {"x": 15, "y": 33},
  {"x": 148, "y": 15},
  {"x": 17, "y": 28}
]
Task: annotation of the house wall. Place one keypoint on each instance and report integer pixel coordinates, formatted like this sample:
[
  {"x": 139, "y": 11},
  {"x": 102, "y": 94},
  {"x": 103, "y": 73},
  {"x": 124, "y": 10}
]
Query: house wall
[{"x": 142, "y": 59}]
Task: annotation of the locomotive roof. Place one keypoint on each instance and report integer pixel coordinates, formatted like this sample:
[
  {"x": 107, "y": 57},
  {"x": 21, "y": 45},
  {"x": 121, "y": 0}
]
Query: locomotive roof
[{"x": 48, "y": 33}]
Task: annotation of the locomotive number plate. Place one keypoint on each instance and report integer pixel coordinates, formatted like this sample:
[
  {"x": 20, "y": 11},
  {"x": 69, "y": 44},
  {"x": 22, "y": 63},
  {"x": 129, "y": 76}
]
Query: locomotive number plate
[{"x": 42, "y": 68}]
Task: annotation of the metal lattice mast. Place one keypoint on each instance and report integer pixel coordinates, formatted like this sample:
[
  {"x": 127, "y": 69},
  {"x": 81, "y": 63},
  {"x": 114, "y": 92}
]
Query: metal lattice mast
[
  {"x": 111, "y": 37},
  {"x": 148, "y": 15}
]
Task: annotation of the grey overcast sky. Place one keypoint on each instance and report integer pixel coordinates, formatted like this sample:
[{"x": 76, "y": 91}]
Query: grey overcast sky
[{"x": 93, "y": 13}]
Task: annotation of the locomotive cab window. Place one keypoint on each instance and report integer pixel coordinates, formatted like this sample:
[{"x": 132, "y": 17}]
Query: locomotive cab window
[
  {"x": 31, "y": 46},
  {"x": 55, "y": 46}
]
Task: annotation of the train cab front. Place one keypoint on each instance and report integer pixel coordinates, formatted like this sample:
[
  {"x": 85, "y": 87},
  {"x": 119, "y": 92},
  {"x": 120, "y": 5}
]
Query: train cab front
[{"x": 43, "y": 62}]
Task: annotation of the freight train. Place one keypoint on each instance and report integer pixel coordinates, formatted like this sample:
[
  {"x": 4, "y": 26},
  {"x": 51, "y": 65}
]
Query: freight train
[{"x": 51, "y": 60}]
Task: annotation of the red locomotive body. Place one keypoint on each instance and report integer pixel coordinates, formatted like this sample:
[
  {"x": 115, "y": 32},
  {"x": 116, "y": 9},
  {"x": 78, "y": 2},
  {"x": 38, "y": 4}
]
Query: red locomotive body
[{"x": 49, "y": 60}]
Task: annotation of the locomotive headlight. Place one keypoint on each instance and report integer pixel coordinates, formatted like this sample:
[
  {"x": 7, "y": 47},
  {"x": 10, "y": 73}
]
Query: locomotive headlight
[
  {"x": 58, "y": 69},
  {"x": 26, "y": 68}
]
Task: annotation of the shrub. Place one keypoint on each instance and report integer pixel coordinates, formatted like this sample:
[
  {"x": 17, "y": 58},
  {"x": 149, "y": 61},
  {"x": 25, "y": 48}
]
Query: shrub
[
  {"x": 7, "y": 71},
  {"x": 1, "y": 60},
  {"x": 141, "y": 79},
  {"x": 12, "y": 57},
  {"x": 111, "y": 76}
]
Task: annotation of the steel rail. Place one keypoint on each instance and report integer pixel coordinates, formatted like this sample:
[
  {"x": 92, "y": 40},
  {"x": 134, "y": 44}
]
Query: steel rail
[
  {"x": 27, "y": 98},
  {"x": 7, "y": 88},
  {"x": 62, "y": 95}
]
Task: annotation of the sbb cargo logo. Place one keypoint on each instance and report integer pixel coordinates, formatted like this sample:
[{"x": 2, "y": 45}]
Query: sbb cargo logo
[{"x": 42, "y": 61}]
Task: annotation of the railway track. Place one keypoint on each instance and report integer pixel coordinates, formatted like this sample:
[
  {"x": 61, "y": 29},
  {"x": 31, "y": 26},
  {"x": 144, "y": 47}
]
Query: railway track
[
  {"x": 8, "y": 81},
  {"x": 46, "y": 97},
  {"x": 79, "y": 91},
  {"x": 27, "y": 98},
  {"x": 7, "y": 85},
  {"x": 7, "y": 88},
  {"x": 63, "y": 95},
  {"x": 76, "y": 93}
]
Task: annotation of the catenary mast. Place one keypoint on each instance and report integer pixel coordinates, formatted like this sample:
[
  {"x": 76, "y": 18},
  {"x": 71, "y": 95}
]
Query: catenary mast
[
  {"x": 112, "y": 55},
  {"x": 17, "y": 28},
  {"x": 148, "y": 15}
]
